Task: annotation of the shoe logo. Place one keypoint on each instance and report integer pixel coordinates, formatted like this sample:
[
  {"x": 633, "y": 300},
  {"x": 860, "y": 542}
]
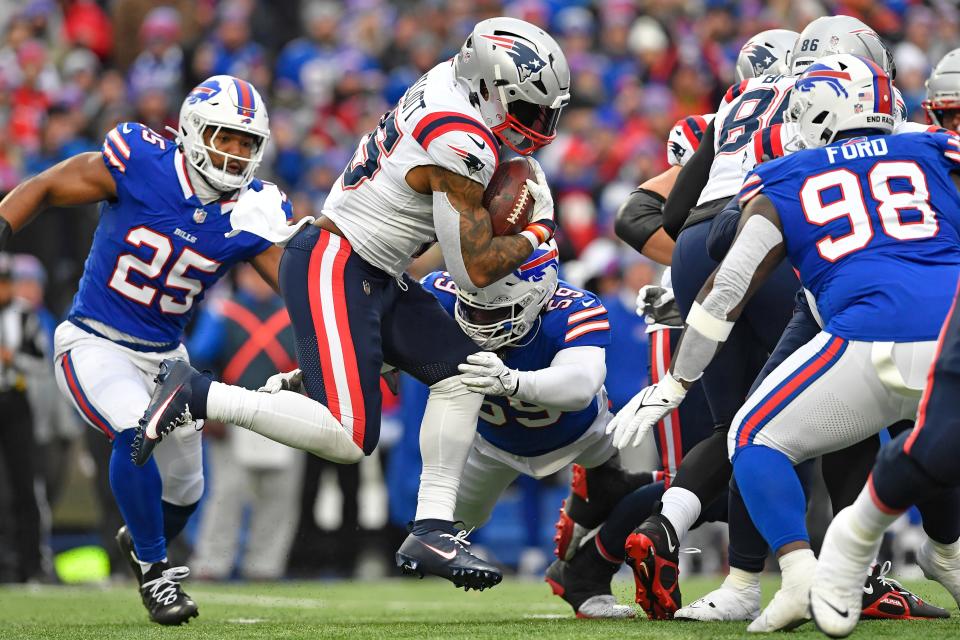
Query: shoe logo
[
  {"x": 447, "y": 555},
  {"x": 868, "y": 589},
  {"x": 480, "y": 143},
  {"x": 843, "y": 614},
  {"x": 126, "y": 128},
  {"x": 588, "y": 303},
  {"x": 670, "y": 545}
]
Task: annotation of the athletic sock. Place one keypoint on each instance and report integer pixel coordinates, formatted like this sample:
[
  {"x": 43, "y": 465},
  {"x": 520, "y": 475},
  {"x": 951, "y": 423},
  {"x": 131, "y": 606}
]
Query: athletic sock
[
  {"x": 138, "y": 493},
  {"x": 796, "y": 567},
  {"x": 629, "y": 513},
  {"x": 740, "y": 580},
  {"x": 870, "y": 518},
  {"x": 199, "y": 389},
  {"x": 175, "y": 518},
  {"x": 772, "y": 493},
  {"x": 682, "y": 508},
  {"x": 747, "y": 549}
]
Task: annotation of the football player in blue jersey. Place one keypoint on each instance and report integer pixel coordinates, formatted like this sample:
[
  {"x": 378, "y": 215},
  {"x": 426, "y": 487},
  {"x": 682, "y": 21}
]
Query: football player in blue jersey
[
  {"x": 541, "y": 373},
  {"x": 868, "y": 221},
  {"x": 158, "y": 246}
]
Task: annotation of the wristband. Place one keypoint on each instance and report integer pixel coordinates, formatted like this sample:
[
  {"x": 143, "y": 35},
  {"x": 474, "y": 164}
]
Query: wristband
[{"x": 539, "y": 232}]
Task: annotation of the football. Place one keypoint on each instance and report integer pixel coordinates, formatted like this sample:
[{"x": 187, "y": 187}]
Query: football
[{"x": 507, "y": 198}]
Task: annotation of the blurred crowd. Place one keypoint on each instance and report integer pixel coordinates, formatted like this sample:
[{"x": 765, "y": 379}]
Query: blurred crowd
[{"x": 72, "y": 69}]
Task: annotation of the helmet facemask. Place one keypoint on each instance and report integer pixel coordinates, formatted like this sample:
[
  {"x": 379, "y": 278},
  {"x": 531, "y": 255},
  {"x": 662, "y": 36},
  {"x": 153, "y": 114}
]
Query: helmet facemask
[{"x": 201, "y": 155}]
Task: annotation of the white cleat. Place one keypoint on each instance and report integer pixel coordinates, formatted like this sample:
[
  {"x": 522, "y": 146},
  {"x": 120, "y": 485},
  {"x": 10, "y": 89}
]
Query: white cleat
[
  {"x": 726, "y": 604},
  {"x": 836, "y": 596},
  {"x": 789, "y": 609},
  {"x": 943, "y": 569},
  {"x": 604, "y": 606}
]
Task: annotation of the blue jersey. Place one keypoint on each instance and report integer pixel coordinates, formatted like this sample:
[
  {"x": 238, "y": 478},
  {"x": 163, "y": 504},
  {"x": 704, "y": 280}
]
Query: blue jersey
[
  {"x": 572, "y": 318},
  {"x": 871, "y": 225},
  {"x": 157, "y": 248}
]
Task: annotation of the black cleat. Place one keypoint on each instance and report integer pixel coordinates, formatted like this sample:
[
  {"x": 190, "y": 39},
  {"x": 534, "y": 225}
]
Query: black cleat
[
  {"x": 444, "y": 554},
  {"x": 160, "y": 589},
  {"x": 168, "y": 409},
  {"x": 653, "y": 553},
  {"x": 163, "y": 596},
  {"x": 584, "y": 584},
  {"x": 593, "y": 495},
  {"x": 125, "y": 542},
  {"x": 885, "y": 598}
]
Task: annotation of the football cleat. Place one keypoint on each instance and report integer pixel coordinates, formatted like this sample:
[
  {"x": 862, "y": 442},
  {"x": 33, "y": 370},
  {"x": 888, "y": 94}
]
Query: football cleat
[
  {"x": 446, "y": 555},
  {"x": 168, "y": 409},
  {"x": 945, "y": 570},
  {"x": 593, "y": 495},
  {"x": 584, "y": 584},
  {"x": 726, "y": 604},
  {"x": 125, "y": 542},
  {"x": 163, "y": 596},
  {"x": 652, "y": 551},
  {"x": 885, "y": 598},
  {"x": 789, "y": 608}
]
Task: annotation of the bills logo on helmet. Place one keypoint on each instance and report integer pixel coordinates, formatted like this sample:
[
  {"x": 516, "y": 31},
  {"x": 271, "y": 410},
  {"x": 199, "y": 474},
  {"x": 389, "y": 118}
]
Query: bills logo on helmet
[
  {"x": 760, "y": 58},
  {"x": 203, "y": 92},
  {"x": 535, "y": 269},
  {"x": 474, "y": 164},
  {"x": 527, "y": 60},
  {"x": 677, "y": 149},
  {"x": 822, "y": 74}
]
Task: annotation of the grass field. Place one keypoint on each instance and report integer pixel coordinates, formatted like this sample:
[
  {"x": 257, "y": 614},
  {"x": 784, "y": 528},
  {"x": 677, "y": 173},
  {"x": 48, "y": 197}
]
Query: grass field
[{"x": 391, "y": 609}]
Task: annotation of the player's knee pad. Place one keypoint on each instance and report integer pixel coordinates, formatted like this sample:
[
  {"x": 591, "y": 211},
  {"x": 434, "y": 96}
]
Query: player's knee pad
[{"x": 182, "y": 489}]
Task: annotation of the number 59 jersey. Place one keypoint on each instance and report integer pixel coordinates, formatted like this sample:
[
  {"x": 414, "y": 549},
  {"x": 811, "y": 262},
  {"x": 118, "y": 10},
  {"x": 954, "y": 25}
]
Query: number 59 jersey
[
  {"x": 572, "y": 318},
  {"x": 871, "y": 225},
  {"x": 156, "y": 248},
  {"x": 385, "y": 221}
]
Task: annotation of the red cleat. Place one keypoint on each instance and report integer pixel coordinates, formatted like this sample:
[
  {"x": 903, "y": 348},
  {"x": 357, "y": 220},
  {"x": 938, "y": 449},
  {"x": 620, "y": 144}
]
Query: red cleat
[
  {"x": 653, "y": 553},
  {"x": 887, "y": 599}
]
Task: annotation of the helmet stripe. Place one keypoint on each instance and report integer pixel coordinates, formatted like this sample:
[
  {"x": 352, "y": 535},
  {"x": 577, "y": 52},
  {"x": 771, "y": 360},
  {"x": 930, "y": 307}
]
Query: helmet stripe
[
  {"x": 246, "y": 98},
  {"x": 536, "y": 262},
  {"x": 882, "y": 93}
]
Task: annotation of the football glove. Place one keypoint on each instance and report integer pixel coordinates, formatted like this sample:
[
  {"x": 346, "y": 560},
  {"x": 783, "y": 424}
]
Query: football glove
[
  {"x": 657, "y": 306},
  {"x": 541, "y": 224},
  {"x": 289, "y": 381},
  {"x": 644, "y": 410},
  {"x": 486, "y": 374}
]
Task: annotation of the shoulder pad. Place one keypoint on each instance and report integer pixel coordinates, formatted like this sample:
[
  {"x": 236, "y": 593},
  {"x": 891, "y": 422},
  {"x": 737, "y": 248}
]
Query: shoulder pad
[
  {"x": 131, "y": 143},
  {"x": 685, "y": 137},
  {"x": 459, "y": 143}
]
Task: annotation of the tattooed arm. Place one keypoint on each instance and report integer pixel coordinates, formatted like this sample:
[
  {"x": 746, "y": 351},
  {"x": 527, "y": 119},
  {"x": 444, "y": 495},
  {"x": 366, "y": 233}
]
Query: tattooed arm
[{"x": 473, "y": 255}]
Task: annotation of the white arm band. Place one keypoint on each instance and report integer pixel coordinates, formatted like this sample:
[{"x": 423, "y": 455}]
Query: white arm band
[
  {"x": 714, "y": 328},
  {"x": 446, "y": 223},
  {"x": 570, "y": 383}
]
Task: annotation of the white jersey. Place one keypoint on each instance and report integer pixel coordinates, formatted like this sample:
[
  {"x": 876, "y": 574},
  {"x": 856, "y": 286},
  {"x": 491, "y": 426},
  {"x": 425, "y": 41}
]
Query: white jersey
[
  {"x": 386, "y": 222},
  {"x": 685, "y": 137},
  {"x": 747, "y": 110}
]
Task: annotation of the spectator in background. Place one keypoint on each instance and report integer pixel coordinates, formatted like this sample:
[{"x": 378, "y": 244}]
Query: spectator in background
[
  {"x": 246, "y": 339},
  {"x": 231, "y": 50},
  {"x": 308, "y": 64},
  {"x": 160, "y": 64},
  {"x": 30, "y": 99},
  {"x": 23, "y": 357},
  {"x": 59, "y": 140}
]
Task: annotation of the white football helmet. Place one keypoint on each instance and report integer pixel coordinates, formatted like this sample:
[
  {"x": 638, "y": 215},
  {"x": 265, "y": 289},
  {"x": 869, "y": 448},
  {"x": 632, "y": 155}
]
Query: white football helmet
[
  {"x": 223, "y": 102},
  {"x": 503, "y": 313},
  {"x": 518, "y": 79},
  {"x": 943, "y": 87},
  {"x": 831, "y": 35},
  {"x": 840, "y": 93},
  {"x": 765, "y": 53}
]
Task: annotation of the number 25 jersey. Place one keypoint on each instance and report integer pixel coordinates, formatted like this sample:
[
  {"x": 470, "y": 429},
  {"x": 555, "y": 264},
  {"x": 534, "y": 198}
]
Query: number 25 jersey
[
  {"x": 871, "y": 225},
  {"x": 385, "y": 221},
  {"x": 156, "y": 248}
]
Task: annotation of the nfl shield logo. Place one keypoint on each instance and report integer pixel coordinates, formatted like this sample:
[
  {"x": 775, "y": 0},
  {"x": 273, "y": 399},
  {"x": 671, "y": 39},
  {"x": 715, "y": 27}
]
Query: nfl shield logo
[{"x": 199, "y": 215}]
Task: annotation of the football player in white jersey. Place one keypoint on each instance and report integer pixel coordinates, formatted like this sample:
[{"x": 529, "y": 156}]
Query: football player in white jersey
[{"x": 418, "y": 178}]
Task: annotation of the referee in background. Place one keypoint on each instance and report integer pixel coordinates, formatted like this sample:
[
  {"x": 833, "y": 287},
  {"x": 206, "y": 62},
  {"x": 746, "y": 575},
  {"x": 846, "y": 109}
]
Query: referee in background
[{"x": 22, "y": 356}]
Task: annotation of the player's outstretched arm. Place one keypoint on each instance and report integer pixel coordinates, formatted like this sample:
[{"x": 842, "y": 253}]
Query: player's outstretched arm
[
  {"x": 473, "y": 255},
  {"x": 82, "y": 179},
  {"x": 267, "y": 265},
  {"x": 639, "y": 220}
]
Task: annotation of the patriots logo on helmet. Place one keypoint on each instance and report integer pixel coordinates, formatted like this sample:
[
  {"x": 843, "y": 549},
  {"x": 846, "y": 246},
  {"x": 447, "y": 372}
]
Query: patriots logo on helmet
[
  {"x": 474, "y": 164},
  {"x": 760, "y": 58},
  {"x": 527, "y": 60},
  {"x": 203, "y": 92},
  {"x": 677, "y": 149}
]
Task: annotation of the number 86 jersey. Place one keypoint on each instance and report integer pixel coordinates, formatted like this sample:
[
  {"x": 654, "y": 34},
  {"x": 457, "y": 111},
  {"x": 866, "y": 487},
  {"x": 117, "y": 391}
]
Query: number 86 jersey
[
  {"x": 871, "y": 225},
  {"x": 157, "y": 247}
]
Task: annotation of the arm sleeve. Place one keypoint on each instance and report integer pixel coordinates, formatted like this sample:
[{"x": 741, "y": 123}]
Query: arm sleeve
[
  {"x": 570, "y": 383},
  {"x": 446, "y": 224},
  {"x": 206, "y": 341},
  {"x": 639, "y": 217},
  {"x": 690, "y": 182}
]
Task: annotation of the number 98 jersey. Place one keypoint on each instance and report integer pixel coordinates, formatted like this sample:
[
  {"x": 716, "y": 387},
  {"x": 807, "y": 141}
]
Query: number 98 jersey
[
  {"x": 572, "y": 318},
  {"x": 871, "y": 225},
  {"x": 156, "y": 248}
]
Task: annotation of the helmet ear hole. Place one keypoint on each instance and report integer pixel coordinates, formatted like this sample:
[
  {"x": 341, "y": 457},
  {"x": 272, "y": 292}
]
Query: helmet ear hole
[
  {"x": 820, "y": 117},
  {"x": 483, "y": 90}
]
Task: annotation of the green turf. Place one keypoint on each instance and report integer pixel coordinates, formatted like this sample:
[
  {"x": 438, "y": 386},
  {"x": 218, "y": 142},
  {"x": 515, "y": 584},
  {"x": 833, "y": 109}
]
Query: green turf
[{"x": 390, "y": 609}]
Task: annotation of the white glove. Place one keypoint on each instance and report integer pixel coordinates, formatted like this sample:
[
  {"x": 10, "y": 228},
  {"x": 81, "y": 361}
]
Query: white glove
[
  {"x": 656, "y": 305},
  {"x": 261, "y": 213},
  {"x": 487, "y": 375},
  {"x": 644, "y": 410},
  {"x": 289, "y": 381},
  {"x": 542, "y": 199}
]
